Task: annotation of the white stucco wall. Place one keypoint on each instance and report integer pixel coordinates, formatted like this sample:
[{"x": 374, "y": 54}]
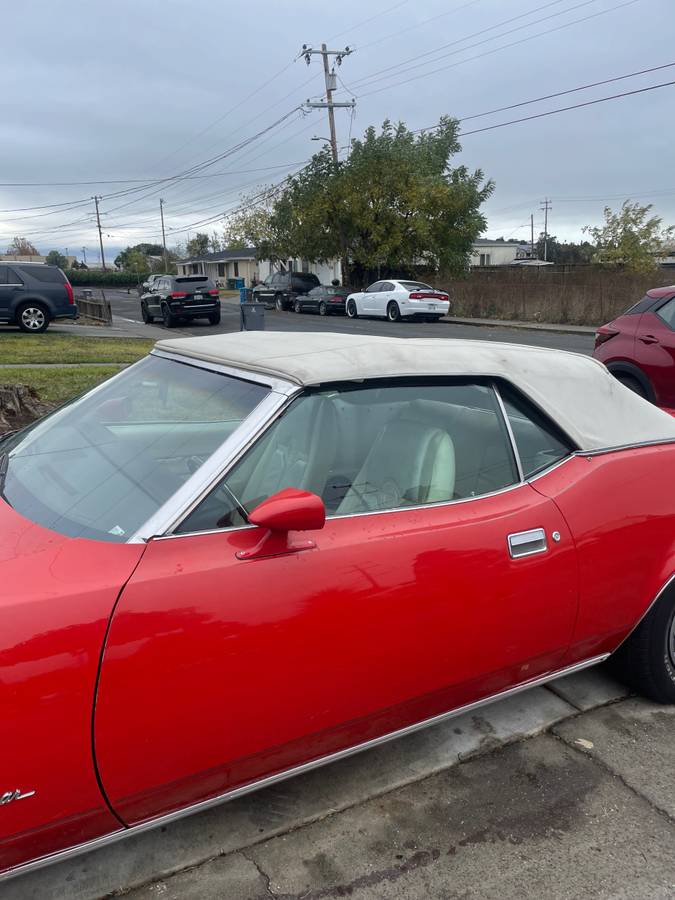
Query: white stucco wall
[{"x": 501, "y": 254}]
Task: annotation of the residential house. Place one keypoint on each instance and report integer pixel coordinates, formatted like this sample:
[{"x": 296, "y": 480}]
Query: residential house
[
  {"x": 498, "y": 253},
  {"x": 228, "y": 264}
]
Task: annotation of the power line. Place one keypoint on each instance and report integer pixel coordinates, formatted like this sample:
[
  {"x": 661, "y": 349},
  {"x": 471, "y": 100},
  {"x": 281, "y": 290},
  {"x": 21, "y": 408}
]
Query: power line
[
  {"x": 552, "y": 112},
  {"x": 378, "y": 74},
  {"x": 382, "y": 12},
  {"x": 501, "y": 47},
  {"x": 574, "y": 90},
  {"x": 412, "y": 25}
]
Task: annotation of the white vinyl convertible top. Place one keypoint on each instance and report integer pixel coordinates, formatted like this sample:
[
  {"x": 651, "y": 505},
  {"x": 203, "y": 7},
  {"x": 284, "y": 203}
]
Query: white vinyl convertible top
[{"x": 576, "y": 391}]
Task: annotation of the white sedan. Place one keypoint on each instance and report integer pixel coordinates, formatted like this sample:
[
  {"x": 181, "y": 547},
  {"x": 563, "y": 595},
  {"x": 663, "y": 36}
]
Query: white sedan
[{"x": 399, "y": 299}]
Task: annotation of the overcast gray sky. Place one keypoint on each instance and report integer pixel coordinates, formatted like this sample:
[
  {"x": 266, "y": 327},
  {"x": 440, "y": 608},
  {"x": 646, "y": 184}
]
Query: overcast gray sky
[{"x": 145, "y": 89}]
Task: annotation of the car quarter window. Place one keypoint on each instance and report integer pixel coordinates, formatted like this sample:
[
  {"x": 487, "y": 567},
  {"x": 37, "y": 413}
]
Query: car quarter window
[
  {"x": 387, "y": 286},
  {"x": 374, "y": 288},
  {"x": 667, "y": 312},
  {"x": 539, "y": 442},
  {"x": 371, "y": 448}
]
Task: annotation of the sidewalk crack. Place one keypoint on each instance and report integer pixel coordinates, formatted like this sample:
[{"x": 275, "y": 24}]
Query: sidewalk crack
[
  {"x": 610, "y": 771},
  {"x": 265, "y": 877}
]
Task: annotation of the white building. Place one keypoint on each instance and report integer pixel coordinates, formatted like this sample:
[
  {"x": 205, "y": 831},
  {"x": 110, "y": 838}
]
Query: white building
[
  {"x": 230, "y": 264},
  {"x": 498, "y": 253}
]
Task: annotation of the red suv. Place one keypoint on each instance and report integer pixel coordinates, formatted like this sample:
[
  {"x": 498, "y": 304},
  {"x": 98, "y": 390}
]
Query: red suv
[{"x": 638, "y": 347}]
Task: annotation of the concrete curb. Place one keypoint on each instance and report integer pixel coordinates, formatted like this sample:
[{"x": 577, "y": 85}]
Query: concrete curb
[{"x": 527, "y": 326}]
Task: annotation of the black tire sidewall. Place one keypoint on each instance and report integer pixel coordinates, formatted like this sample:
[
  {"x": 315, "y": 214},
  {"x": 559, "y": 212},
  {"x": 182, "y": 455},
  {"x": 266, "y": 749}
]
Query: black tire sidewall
[
  {"x": 393, "y": 305},
  {"x": 168, "y": 319},
  {"x": 323, "y": 309},
  {"x": 279, "y": 303},
  {"x": 351, "y": 304}
]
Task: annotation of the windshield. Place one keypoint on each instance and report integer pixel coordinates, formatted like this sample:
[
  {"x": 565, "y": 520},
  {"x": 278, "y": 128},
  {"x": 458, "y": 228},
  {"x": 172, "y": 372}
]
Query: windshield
[{"x": 101, "y": 466}]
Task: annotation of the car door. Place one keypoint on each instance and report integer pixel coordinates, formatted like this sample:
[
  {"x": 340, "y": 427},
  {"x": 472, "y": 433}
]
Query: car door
[
  {"x": 437, "y": 579},
  {"x": 265, "y": 292},
  {"x": 655, "y": 350},
  {"x": 154, "y": 298},
  {"x": 368, "y": 299},
  {"x": 11, "y": 289},
  {"x": 386, "y": 293}
]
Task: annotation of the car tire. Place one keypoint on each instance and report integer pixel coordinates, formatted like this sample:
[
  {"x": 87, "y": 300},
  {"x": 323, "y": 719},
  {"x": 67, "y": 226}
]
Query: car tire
[
  {"x": 323, "y": 309},
  {"x": 145, "y": 315},
  {"x": 214, "y": 318},
  {"x": 352, "y": 311},
  {"x": 633, "y": 385},
  {"x": 646, "y": 659},
  {"x": 393, "y": 311},
  {"x": 33, "y": 318},
  {"x": 297, "y": 306},
  {"x": 170, "y": 321},
  {"x": 279, "y": 303}
]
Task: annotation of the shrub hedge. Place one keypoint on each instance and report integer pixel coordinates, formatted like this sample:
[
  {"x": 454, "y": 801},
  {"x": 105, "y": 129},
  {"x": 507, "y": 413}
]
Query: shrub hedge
[{"x": 97, "y": 278}]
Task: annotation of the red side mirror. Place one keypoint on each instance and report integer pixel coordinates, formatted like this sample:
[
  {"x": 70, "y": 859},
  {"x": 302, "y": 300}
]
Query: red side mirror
[{"x": 288, "y": 510}]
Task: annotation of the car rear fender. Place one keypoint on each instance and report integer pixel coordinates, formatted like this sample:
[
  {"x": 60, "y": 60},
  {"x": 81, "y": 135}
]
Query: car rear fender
[{"x": 621, "y": 511}]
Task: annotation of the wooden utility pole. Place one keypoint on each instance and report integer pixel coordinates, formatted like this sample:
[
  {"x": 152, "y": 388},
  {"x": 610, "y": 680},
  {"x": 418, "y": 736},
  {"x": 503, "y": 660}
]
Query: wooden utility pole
[
  {"x": 100, "y": 233},
  {"x": 532, "y": 235},
  {"x": 546, "y": 205},
  {"x": 161, "y": 213},
  {"x": 331, "y": 83}
]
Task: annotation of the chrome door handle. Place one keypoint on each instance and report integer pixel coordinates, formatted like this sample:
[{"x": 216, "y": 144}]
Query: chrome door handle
[{"x": 527, "y": 543}]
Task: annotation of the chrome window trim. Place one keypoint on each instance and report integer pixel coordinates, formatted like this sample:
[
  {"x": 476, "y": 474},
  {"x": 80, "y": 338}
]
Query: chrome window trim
[
  {"x": 301, "y": 769},
  {"x": 509, "y": 431},
  {"x": 276, "y": 384},
  {"x": 600, "y": 451}
]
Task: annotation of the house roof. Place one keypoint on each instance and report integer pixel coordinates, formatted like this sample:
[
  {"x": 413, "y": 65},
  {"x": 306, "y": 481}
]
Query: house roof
[
  {"x": 485, "y": 242},
  {"x": 576, "y": 391},
  {"x": 222, "y": 256}
]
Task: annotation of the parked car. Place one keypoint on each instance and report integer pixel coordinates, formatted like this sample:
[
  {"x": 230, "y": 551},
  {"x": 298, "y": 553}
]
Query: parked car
[
  {"x": 34, "y": 294},
  {"x": 146, "y": 286},
  {"x": 280, "y": 289},
  {"x": 176, "y": 297},
  {"x": 638, "y": 347},
  {"x": 326, "y": 300},
  {"x": 241, "y": 558},
  {"x": 399, "y": 299}
]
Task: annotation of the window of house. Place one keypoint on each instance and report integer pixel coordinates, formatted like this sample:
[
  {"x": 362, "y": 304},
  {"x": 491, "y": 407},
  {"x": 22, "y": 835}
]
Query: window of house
[
  {"x": 236, "y": 269},
  {"x": 539, "y": 442},
  {"x": 221, "y": 270},
  {"x": 485, "y": 259},
  {"x": 370, "y": 448}
]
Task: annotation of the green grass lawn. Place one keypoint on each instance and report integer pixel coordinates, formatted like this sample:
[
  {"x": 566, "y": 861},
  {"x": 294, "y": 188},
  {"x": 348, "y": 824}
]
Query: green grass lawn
[
  {"x": 58, "y": 385},
  {"x": 66, "y": 348}
]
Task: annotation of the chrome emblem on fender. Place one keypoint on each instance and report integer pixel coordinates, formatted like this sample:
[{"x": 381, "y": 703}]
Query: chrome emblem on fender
[{"x": 10, "y": 796}]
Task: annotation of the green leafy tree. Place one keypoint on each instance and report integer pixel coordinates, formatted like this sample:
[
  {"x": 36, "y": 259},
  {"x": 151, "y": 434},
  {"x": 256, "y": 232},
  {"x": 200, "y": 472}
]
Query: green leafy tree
[
  {"x": 54, "y": 258},
  {"x": 135, "y": 261},
  {"x": 121, "y": 260},
  {"x": 631, "y": 237},
  {"x": 394, "y": 205},
  {"x": 198, "y": 245},
  {"x": 564, "y": 253},
  {"x": 21, "y": 246}
]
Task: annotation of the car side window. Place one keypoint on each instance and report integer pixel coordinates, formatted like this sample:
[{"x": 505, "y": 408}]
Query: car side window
[
  {"x": 539, "y": 442},
  {"x": 373, "y": 288},
  {"x": 3, "y": 274},
  {"x": 387, "y": 286},
  {"x": 371, "y": 448},
  {"x": 667, "y": 313},
  {"x": 13, "y": 277}
]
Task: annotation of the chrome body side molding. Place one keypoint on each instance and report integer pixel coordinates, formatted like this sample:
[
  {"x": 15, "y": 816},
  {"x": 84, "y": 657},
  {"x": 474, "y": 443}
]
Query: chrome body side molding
[{"x": 97, "y": 843}]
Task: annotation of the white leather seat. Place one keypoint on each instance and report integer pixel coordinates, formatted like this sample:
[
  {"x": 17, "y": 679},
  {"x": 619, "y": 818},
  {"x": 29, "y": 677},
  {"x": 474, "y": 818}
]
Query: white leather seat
[{"x": 409, "y": 464}]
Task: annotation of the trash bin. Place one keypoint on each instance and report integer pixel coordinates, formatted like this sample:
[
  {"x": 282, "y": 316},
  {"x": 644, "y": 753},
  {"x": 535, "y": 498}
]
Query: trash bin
[
  {"x": 239, "y": 283},
  {"x": 252, "y": 317},
  {"x": 245, "y": 295},
  {"x": 232, "y": 284}
]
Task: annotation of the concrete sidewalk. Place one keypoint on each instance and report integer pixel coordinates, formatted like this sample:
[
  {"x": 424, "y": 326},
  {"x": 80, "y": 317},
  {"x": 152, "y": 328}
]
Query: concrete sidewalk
[{"x": 552, "y": 793}]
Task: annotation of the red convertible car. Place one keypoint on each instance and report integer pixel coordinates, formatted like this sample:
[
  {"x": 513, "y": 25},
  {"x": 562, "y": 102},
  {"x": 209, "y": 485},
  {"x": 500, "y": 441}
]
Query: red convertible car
[{"x": 248, "y": 555}]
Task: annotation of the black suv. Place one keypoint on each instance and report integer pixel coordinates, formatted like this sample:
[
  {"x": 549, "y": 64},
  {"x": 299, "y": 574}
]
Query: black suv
[
  {"x": 32, "y": 294},
  {"x": 281, "y": 288},
  {"x": 175, "y": 297}
]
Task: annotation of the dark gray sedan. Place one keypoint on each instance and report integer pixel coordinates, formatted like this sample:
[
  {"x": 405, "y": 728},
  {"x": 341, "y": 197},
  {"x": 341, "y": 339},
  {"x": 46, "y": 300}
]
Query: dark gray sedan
[{"x": 326, "y": 299}]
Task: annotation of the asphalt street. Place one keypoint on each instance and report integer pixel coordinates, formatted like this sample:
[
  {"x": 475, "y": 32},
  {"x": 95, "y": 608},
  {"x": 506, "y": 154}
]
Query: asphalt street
[{"x": 127, "y": 312}]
